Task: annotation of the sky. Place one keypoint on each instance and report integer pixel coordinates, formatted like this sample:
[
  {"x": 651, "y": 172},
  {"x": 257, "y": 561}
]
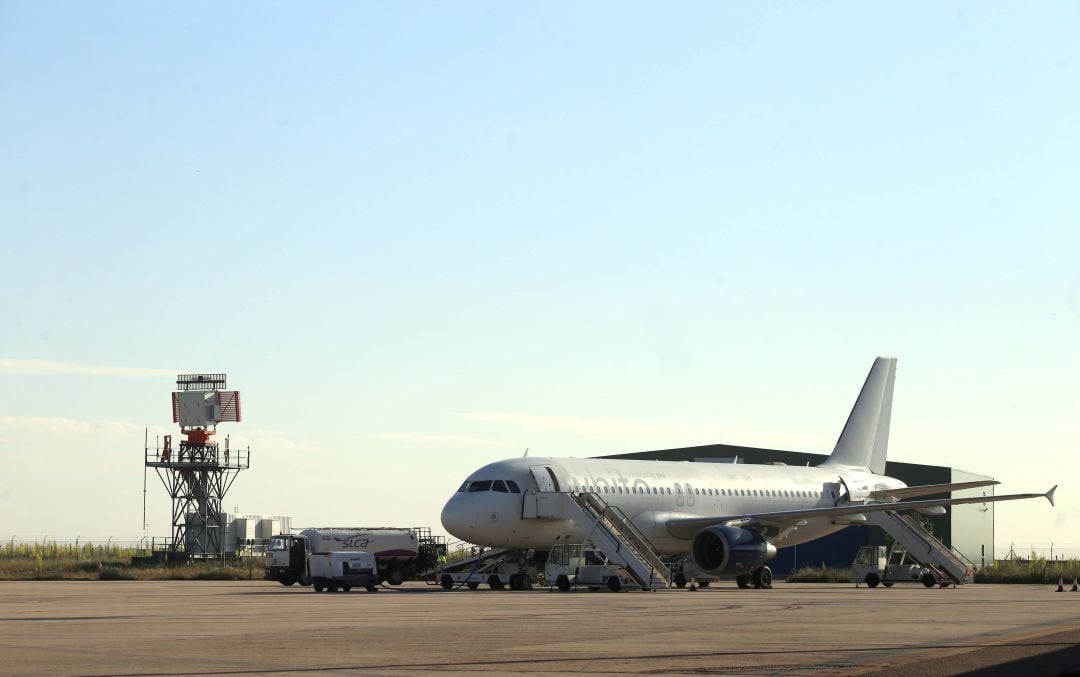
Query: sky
[{"x": 420, "y": 237}]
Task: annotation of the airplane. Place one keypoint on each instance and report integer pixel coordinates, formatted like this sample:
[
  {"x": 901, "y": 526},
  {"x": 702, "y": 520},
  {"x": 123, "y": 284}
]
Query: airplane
[{"x": 729, "y": 518}]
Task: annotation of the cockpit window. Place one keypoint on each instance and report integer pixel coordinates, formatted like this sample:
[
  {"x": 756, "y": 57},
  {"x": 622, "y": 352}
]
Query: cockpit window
[
  {"x": 464, "y": 486},
  {"x": 513, "y": 487},
  {"x": 480, "y": 485},
  {"x": 499, "y": 486}
]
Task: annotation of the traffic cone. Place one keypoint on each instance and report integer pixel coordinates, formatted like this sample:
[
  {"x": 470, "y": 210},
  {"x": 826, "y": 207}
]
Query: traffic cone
[
  {"x": 1074, "y": 584},
  {"x": 1061, "y": 584}
]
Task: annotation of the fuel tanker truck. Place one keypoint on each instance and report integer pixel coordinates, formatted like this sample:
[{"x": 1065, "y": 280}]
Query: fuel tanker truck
[{"x": 399, "y": 553}]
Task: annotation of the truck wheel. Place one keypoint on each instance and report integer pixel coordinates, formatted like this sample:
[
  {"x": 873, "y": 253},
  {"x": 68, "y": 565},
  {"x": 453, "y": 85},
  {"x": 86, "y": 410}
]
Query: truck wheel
[
  {"x": 928, "y": 580},
  {"x": 515, "y": 581},
  {"x": 614, "y": 584},
  {"x": 495, "y": 583},
  {"x": 473, "y": 585},
  {"x": 563, "y": 583},
  {"x": 446, "y": 581},
  {"x": 395, "y": 577},
  {"x": 703, "y": 584},
  {"x": 872, "y": 580},
  {"x": 888, "y": 584},
  {"x": 346, "y": 588},
  {"x": 371, "y": 587},
  {"x": 742, "y": 581},
  {"x": 526, "y": 582},
  {"x": 319, "y": 587},
  {"x": 679, "y": 580},
  {"x": 288, "y": 581}
]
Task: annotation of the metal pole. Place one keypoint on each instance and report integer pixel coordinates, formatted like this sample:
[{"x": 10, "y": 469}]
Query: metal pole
[{"x": 146, "y": 444}]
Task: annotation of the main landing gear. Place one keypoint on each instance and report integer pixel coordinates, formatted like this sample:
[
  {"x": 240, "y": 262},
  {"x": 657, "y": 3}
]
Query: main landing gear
[{"x": 759, "y": 579}]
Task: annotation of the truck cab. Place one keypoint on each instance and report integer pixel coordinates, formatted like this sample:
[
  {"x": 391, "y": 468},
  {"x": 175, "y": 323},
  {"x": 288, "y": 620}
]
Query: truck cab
[{"x": 286, "y": 559}]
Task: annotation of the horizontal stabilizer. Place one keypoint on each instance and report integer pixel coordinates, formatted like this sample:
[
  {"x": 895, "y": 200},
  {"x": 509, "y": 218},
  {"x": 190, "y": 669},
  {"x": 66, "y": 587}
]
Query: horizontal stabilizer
[{"x": 927, "y": 490}]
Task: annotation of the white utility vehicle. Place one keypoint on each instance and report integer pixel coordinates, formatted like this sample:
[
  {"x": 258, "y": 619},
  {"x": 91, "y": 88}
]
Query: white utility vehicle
[
  {"x": 877, "y": 564},
  {"x": 577, "y": 565},
  {"x": 333, "y": 571}
]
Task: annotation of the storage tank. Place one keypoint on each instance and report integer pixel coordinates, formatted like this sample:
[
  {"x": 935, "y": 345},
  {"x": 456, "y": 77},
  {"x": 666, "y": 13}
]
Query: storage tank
[{"x": 385, "y": 544}]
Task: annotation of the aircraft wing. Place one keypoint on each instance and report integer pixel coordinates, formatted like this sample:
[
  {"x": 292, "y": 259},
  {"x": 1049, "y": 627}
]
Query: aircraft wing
[
  {"x": 927, "y": 490},
  {"x": 687, "y": 528}
]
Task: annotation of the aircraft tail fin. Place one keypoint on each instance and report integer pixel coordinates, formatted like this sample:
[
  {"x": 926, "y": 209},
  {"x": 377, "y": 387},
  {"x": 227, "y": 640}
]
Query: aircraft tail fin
[{"x": 864, "y": 443}]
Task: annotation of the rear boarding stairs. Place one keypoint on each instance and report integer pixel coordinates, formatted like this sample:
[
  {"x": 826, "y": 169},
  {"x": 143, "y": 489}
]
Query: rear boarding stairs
[{"x": 921, "y": 545}]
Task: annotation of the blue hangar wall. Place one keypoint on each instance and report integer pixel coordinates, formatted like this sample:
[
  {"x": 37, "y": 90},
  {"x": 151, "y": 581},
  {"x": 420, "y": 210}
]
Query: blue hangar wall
[{"x": 837, "y": 550}]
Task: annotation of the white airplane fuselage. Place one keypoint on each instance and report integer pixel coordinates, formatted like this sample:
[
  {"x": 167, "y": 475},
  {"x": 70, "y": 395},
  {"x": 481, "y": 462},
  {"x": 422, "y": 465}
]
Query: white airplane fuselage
[{"x": 650, "y": 493}]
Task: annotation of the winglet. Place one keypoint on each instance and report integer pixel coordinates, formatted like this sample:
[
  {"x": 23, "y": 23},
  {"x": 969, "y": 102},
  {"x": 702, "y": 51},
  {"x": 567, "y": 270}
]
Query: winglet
[{"x": 1050, "y": 494}]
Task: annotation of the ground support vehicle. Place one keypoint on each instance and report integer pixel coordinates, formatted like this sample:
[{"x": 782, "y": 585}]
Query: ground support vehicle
[
  {"x": 571, "y": 565},
  {"x": 333, "y": 571},
  {"x": 880, "y": 565},
  {"x": 497, "y": 568}
]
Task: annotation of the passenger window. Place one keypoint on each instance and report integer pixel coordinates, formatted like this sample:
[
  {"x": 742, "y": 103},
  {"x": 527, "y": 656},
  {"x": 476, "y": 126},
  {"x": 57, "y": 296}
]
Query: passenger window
[
  {"x": 481, "y": 485},
  {"x": 512, "y": 485},
  {"x": 499, "y": 486}
]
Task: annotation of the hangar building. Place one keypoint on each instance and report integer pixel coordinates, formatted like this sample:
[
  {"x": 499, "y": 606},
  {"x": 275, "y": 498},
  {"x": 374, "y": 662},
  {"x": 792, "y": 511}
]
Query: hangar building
[{"x": 967, "y": 529}]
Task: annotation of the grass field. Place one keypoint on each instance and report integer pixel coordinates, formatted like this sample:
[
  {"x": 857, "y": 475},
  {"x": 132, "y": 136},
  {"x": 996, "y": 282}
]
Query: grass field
[{"x": 57, "y": 561}]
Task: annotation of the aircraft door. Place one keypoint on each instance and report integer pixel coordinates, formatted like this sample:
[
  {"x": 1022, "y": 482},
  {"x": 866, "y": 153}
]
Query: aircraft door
[
  {"x": 545, "y": 478},
  {"x": 678, "y": 494},
  {"x": 689, "y": 494}
]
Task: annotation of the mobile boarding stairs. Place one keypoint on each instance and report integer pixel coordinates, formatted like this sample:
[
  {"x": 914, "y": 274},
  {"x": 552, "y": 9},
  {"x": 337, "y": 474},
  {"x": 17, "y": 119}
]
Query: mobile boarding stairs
[
  {"x": 921, "y": 545},
  {"x": 608, "y": 528}
]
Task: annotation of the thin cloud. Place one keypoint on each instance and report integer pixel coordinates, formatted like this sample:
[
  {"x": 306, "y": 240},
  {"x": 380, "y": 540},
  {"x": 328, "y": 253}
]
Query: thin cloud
[
  {"x": 450, "y": 440},
  {"x": 58, "y": 425},
  {"x": 609, "y": 428},
  {"x": 10, "y": 365}
]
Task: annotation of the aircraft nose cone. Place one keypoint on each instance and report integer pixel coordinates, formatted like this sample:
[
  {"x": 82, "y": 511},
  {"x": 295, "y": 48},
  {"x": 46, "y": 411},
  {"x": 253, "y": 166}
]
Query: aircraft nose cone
[{"x": 459, "y": 517}]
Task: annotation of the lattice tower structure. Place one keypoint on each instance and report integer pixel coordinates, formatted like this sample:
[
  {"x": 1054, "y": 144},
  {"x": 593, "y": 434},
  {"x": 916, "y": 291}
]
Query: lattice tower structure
[{"x": 199, "y": 472}]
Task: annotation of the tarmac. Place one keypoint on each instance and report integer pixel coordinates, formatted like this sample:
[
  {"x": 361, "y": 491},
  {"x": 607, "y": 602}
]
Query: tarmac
[{"x": 258, "y": 628}]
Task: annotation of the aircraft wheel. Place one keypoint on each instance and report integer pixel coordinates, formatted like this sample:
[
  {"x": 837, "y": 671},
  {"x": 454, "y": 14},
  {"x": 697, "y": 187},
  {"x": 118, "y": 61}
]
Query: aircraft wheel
[
  {"x": 446, "y": 581},
  {"x": 495, "y": 583},
  {"x": 679, "y": 580},
  {"x": 928, "y": 580},
  {"x": 766, "y": 578},
  {"x": 319, "y": 587},
  {"x": 943, "y": 585},
  {"x": 614, "y": 584},
  {"x": 473, "y": 585},
  {"x": 742, "y": 581},
  {"x": 872, "y": 580},
  {"x": 332, "y": 587},
  {"x": 563, "y": 583},
  {"x": 515, "y": 581},
  {"x": 762, "y": 578}
]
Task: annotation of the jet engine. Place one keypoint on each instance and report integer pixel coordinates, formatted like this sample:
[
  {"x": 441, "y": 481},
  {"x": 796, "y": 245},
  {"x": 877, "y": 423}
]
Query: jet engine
[{"x": 730, "y": 551}]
